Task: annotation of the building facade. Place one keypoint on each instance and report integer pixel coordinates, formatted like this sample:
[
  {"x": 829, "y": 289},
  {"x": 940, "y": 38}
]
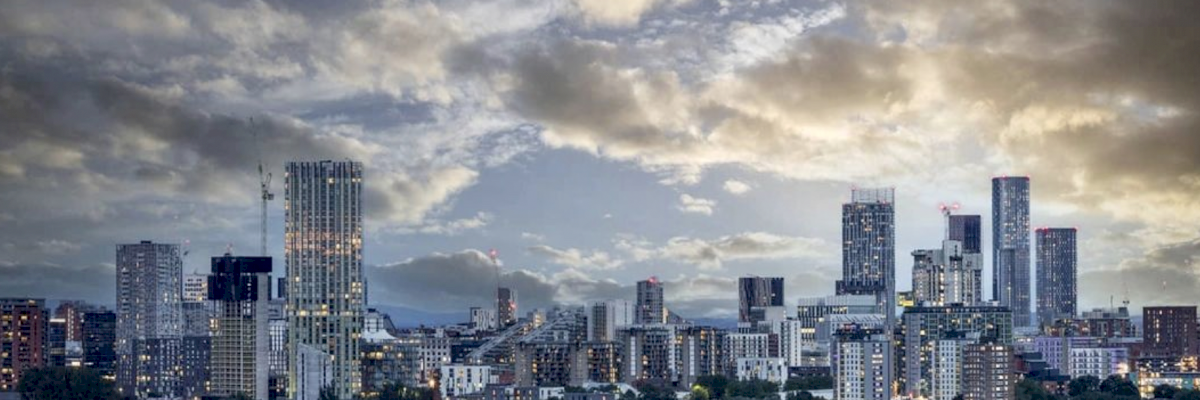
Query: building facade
[
  {"x": 921, "y": 326},
  {"x": 869, "y": 248},
  {"x": 754, "y": 291},
  {"x": 22, "y": 339},
  {"x": 1056, "y": 273},
  {"x": 1010, "y": 246},
  {"x": 651, "y": 307},
  {"x": 604, "y": 318},
  {"x": 323, "y": 219},
  {"x": 987, "y": 372},
  {"x": 506, "y": 307},
  {"x": 862, "y": 364},
  {"x": 99, "y": 340},
  {"x": 1169, "y": 331},
  {"x": 149, "y": 318},
  {"x": 240, "y": 355}
]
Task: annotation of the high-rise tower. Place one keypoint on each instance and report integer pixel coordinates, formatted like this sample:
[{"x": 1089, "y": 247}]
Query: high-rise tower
[
  {"x": 1010, "y": 246},
  {"x": 650, "y": 307},
  {"x": 1056, "y": 268},
  {"x": 149, "y": 318},
  {"x": 754, "y": 291},
  {"x": 869, "y": 248},
  {"x": 323, "y": 239},
  {"x": 241, "y": 289}
]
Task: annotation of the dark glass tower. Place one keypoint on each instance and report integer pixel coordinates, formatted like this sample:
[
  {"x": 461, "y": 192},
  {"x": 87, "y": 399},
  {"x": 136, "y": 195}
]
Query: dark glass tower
[
  {"x": 1010, "y": 246},
  {"x": 869, "y": 248},
  {"x": 756, "y": 291},
  {"x": 1056, "y": 270},
  {"x": 967, "y": 229}
]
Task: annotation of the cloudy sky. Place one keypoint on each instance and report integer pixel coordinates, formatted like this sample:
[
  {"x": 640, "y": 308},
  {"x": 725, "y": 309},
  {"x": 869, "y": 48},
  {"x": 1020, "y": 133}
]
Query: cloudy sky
[{"x": 598, "y": 142}]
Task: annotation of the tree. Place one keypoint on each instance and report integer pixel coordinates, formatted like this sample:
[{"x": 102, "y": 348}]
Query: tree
[
  {"x": 1191, "y": 394},
  {"x": 1083, "y": 384},
  {"x": 1119, "y": 386},
  {"x": 809, "y": 383},
  {"x": 801, "y": 395},
  {"x": 752, "y": 389},
  {"x": 715, "y": 384},
  {"x": 699, "y": 393},
  {"x": 1165, "y": 392},
  {"x": 1030, "y": 389},
  {"x": 65, "y": 383},
  {"x": 240, "y": 396},
  {"x": 395, "y": 391}
]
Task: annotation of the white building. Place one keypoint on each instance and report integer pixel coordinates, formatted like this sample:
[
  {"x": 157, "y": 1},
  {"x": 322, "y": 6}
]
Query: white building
[
  {"x": 1098, "y": 361},
  {"x": 483, "y": 319},
  {"x": 459, "y": 379},
  {"x": 313, "y": 372},
  {"x": 862, "y": 365},
  {"x": 773, "y": 369},
  {"x": 947, "y": 367}
]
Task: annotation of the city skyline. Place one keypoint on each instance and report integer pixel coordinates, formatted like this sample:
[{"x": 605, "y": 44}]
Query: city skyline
[{"x": 594, "y": 147}]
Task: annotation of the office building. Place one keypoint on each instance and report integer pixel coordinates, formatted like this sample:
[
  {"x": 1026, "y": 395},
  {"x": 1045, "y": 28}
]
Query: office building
[
  {"x": 56, "y": 343},
  {"x": 22, "y": 339},
  {"x": 240, "y": 361},
  {"x": 754, "y": 291},
  {"x": 99, "y": 340},
  {"x": 869, "y": 248},
  {"x": 1169, "y": 331},
  {"x": 1010, "y": 246},
  {"x": 1056, "y": 274},
  {"x": 921, "y": 326},
  {"x": 604, "y": 318},
  {"x": 862, "y": 364},
  {"x": 149, "y": 318},
  {"x": 987, "y": 371},
  {"x": 506, "y": 307},
  {"x": 323, "y": 218},
  {"x": 651, "y": 308}
]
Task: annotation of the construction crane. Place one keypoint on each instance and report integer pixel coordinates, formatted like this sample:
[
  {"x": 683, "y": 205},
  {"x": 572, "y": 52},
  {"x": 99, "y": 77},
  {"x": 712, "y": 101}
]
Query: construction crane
[{"x": 264, "y": 180}]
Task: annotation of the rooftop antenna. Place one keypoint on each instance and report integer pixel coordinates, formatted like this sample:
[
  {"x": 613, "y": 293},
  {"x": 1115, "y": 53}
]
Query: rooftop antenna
[{"x": 264, "y": 180}]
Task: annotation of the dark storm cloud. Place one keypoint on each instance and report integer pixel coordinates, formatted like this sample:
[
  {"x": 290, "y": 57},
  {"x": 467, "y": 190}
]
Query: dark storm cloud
[{"x": 1168, "y": 275}]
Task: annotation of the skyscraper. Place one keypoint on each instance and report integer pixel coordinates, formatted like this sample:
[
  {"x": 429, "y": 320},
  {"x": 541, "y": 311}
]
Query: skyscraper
[
  {"x": 506, "y": 307},
  {"x": 1056, "y": 266},
  {"x": 968, "y": 230},
  {"x": 149, "y": 318},
  {"x": 323, "y": 255},
  {"x": 22, "y": 336},
  {"x": 924, "y": 325},
  {"x": 952, "y": 274},
  {"x": 241, "y": 288},
  {"x": 1010, "y": 246},
  {"x": 869, "y": 248},
  {"x": 650, "y": 307},
  {"x": 756, "y": 291}
]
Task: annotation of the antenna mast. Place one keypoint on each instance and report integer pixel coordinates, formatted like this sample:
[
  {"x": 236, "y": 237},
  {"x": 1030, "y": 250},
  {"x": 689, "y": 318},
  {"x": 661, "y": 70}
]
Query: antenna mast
[{"x": 264, "y": 180}]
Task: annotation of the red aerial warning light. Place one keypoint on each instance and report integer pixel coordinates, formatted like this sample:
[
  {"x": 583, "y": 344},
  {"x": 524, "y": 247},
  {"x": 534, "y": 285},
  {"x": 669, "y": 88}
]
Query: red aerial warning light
[{"x": 653, "y": 280}]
